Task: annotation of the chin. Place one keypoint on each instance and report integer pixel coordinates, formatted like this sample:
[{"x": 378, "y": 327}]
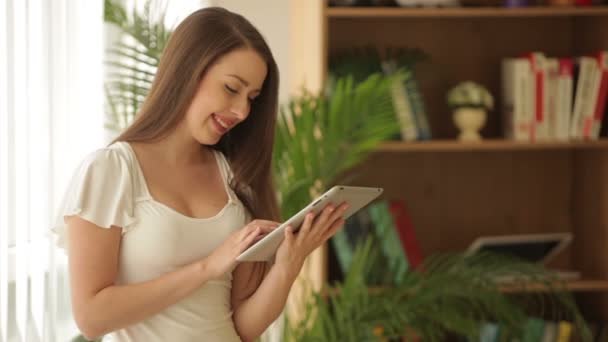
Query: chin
[
  {"x": 204, "y": 137},
  {"x": 207, "y": 141}
]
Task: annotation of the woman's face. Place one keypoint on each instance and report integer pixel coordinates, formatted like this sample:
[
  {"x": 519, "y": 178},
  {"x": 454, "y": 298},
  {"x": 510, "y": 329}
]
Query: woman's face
[{"x": 225, "y": 95}]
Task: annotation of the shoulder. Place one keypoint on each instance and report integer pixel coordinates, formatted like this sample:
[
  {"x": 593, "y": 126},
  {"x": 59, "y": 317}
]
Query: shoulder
[
  {"x": 110, "y": 161},
  {"x": 101, "y": 191},
  {"x": 113, "y": 154},
  {"x": 106, "y": 168}
]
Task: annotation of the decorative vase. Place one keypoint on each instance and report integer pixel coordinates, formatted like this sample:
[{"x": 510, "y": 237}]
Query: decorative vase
[{"x": 469, "y": 121}]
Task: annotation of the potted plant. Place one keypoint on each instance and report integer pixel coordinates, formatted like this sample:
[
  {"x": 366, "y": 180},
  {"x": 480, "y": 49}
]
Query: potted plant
[
  {"x": 453, "y": 295},
  {"x": 470, "y": 103}
]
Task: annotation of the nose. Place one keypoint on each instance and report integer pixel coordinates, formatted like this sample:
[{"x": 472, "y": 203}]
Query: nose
[{"x": 241, "y": 108}]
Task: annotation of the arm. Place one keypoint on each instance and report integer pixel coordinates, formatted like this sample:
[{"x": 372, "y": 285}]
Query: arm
[
  {"x": 100, "y": 306},
  {"x": 251, "y": 321}
]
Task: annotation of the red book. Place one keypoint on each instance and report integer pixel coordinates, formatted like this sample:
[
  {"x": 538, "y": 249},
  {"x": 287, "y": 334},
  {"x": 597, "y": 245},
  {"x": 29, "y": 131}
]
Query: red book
[
  {"x": 538, "y": 69},
  {"x": 602, "y": 60},
  {"x": 407, "y": 234}
]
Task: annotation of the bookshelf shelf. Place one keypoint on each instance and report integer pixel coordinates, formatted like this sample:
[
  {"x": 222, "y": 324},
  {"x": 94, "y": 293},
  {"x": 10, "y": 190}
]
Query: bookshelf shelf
[
  {"x": 487, "y": 145},
  {"x": 458, "y": 12},
  {"x": 574, "y": 285},
  {"x": 583, "y": 285}
]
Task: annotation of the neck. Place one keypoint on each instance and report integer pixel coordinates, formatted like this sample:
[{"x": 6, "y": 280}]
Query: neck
[{"x": 179, "y": 149}]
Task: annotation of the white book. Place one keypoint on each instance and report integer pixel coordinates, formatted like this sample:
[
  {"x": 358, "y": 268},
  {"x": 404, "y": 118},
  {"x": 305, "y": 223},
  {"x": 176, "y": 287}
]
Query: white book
[
  {"x": 594, "y": 89},
  {"x": 539, "y": 68},
  {"x": 564, "y": 97},
  {"x": 550, "y": 333},
  {"x": 517, "y": 99},
  {"x": 552, "y": 81},
  {"x": 581, "y": 98}
]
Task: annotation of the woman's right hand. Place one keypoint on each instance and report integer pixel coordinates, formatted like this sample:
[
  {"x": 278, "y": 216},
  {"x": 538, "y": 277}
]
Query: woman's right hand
[{"x": 223, "y": 258}]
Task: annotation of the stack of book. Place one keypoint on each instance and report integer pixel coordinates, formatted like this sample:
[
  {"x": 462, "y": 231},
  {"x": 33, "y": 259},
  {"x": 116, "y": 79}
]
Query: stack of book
[
  {"x": 540, "y": 330},
  {"x": 547, "y": 98}
]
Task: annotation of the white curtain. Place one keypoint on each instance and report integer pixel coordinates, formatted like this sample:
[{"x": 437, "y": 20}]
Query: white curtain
[{"x": 51, "y": 116}]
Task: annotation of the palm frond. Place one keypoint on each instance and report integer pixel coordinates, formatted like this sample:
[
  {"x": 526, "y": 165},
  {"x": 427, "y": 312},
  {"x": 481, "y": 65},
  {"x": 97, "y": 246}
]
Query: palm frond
[
  {"x": 115, "y": 13},
  {"x": 133, "y": 59},
  {"x": 319, "y": 138}
]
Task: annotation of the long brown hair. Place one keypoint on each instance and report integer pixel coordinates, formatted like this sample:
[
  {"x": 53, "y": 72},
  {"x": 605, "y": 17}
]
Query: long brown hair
[{"x": 197, "y": 42}]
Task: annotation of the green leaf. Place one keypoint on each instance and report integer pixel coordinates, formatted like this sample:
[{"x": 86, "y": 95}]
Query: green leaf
[
  {"x": 133, "y": 59},
  {"x": 453, "y": 294}
]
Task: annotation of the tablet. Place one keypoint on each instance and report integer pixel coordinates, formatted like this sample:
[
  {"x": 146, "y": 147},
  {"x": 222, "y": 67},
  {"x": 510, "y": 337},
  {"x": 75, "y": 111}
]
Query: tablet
[{"x": 356, "y": 197}]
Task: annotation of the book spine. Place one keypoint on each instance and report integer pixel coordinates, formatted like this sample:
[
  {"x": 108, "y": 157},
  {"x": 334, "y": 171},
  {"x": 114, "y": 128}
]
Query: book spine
[
  {"x": 417, "y": 105},
  {"x": 398, "y": 264},
  {"x": 518, "y": 120},
  {"x": 564, "y": 331},
  {"x": 552, "y": 81},
  {"x": 401, "y": 104},
  {"x": 537, "y": 63},
  {"x": 600, "y": 105},
  {"x": 564, "y": 95},
  {"x": 581, "y": 97},
  {"x": 407, "y": 234}
]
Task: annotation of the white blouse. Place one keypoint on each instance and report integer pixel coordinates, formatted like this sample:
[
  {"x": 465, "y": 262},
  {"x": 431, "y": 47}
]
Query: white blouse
[{"x": 109, "y": 189}]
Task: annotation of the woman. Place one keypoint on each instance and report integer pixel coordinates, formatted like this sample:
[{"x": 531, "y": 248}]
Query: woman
[{"x": 153, "y": 223}]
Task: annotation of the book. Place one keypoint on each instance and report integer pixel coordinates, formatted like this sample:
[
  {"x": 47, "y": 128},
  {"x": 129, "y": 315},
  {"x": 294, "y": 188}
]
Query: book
[
  {"x": 488, "y": 332},
  {"x": 412, "y": 91},
  {"x": 564, "y": 95},
  {"x": 517, "y": 99},
  {"x": 538, "y": 66},
  {"x": 401, "y": 103},
  {"x": 564, "y": 331},
  {"x": 533, "y": 330},
  {"x": 600, "y": 104},
  {"x": 357, "y": 229},
  {"x": 397, "y": 263},
  {"x": 407, "y": 233},
  {"x": 583, "y": 99},
  {"x": 550, "y": 332}
]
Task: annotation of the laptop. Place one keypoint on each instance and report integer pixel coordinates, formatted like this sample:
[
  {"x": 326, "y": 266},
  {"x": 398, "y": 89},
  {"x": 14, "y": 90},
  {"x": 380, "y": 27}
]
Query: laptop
[{"x": 534, "y": 248}]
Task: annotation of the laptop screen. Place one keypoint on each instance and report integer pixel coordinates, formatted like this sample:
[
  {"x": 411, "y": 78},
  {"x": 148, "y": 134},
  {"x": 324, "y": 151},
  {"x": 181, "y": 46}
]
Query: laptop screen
[{"x": 531, "y": 251}]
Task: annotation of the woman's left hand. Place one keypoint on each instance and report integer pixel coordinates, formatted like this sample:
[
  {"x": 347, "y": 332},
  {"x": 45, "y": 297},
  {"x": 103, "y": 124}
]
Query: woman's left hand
[{"x": 313, "y": 233}]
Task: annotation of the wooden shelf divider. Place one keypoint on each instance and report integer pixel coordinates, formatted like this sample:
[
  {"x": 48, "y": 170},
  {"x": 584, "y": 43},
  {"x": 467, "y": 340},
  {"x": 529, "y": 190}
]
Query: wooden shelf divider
[
  {"x": 488, "y": 145},
  {"x": 465, "y": 12},
  {"x": 574, "y": 286}
]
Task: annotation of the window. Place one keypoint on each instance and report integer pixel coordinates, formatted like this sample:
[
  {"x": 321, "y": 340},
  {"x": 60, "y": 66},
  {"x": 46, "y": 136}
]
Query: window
[{"x": 50, "y": 117}]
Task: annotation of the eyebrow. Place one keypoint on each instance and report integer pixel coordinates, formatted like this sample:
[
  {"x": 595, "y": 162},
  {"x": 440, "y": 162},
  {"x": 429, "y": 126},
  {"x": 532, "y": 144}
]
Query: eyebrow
[{"x": 242, "y": 81}]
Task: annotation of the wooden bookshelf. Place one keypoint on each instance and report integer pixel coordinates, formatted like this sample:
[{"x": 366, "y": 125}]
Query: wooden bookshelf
[
  {"x": 456, "y": 192},
  {"x": 466, "y": 12}
]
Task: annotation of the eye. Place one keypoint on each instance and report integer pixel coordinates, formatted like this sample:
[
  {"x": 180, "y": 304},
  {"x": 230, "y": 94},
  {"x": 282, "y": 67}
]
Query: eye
[{"x": 230, "y": 90}]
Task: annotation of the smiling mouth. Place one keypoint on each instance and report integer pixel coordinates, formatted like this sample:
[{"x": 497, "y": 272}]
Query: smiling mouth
[{"x": 226, "y": 124}]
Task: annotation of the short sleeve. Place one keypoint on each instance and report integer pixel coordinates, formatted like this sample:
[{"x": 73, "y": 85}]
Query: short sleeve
[{"x": 100, "y": 191}]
